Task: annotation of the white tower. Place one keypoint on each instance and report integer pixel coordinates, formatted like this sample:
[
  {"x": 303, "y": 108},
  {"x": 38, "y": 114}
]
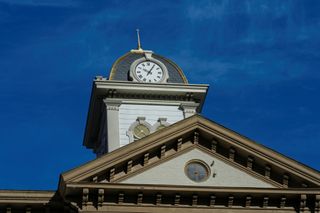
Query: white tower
[{"x": 144, "y": 93}]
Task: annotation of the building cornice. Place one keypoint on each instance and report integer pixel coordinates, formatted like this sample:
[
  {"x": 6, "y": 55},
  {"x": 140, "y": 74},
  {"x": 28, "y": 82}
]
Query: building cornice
[
  {"x": 150, "y": 87},
  {"x": 25, "y": 196},
  {"x": 190, "y": 189},
  {"x": 103, "y": 197}
]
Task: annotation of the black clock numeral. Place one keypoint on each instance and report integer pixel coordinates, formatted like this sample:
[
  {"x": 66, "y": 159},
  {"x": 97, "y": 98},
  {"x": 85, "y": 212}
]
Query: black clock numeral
[
  {"x": 138, "y": 71},
  {"x": 149, "y": 80},
  {"x": 139, "y": 68},
  {"x": 157, "y": 68},
  {"x": 154, "y": 79},
  {"x": 144, "y": 79},
  {"x": 140, "y": 76},
  {"x": 159, "y": 72},
  {"x": 158, "y": 76},
  {"x": 143, "y": 65},
  {"x": 148, "y": 63}
]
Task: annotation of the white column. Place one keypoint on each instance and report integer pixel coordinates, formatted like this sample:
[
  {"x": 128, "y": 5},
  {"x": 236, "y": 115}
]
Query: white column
[{"x": 112, "y": 109}]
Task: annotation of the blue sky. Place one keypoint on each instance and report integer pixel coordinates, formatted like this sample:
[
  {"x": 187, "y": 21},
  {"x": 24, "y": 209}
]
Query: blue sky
[{"x": 260, "y": 57}]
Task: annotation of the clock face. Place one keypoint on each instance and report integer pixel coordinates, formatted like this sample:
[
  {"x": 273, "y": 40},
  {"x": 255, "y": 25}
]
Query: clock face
[
  {"x": 149, "y": 72},
  {"x": 140, "y": 131}
]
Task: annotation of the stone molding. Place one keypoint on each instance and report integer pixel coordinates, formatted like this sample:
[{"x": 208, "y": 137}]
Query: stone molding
[
  {"x": 112, "y": 104},
  {"x": 189, "y": 109},
  {"x": 258, "y": 199},
  {"x": 33, "y": 201}
]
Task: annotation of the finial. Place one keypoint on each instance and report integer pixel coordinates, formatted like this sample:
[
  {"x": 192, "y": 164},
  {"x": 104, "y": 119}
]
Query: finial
[
  {"x": 139, "y": 48},
  {"x": 139, "y": 43}
]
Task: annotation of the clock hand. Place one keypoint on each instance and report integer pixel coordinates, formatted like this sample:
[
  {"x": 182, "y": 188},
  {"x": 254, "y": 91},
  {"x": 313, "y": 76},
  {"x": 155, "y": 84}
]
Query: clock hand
[{"x": 150, "y": 70}]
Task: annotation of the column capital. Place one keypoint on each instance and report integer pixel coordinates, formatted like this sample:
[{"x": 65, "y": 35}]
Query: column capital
[
  {"x": 189, "y": 109},
  {"x": 112, "y": 104}
]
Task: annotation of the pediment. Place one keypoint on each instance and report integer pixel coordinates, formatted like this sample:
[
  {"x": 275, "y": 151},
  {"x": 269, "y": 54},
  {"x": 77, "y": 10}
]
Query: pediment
[
  {"x": 216, "y": 171},
  {"x": 234, "y": 151}
]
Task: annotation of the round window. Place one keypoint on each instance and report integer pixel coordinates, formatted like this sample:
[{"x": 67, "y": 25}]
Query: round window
[{"x": 197, "y": 170}]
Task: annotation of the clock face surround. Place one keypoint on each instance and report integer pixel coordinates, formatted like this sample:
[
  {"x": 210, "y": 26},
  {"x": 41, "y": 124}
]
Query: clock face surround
[
  {"x": 149, "y": 72},
  {"x": 140, "y": 131}
]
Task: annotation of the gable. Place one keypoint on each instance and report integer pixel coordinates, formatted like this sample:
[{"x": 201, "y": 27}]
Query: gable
[
  {"x": 183, "y": 136},
  {"x": 220, "y": 173}
]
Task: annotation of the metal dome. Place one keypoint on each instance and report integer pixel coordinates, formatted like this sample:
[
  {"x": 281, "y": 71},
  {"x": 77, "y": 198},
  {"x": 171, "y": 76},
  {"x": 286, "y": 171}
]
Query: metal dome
[{"x": 121, "y": 67}]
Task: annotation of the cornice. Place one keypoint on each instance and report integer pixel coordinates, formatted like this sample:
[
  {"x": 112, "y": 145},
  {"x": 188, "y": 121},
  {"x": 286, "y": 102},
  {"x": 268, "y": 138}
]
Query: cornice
[
  {"x": 190, "y": 189},
  {"x": 125, "y": 85},
  {"x": 24, "y": 196},
  {"x": 103, "y": 197},
  {"x": 263, "y": 152}
]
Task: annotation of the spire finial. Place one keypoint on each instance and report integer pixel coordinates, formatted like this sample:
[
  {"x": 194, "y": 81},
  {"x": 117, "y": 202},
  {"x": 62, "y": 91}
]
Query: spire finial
[
  {"x": 139, "y": 48},
  {"x": 139, "y": 43}
]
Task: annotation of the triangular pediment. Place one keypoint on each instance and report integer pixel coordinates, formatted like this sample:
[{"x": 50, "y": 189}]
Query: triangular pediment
[
  {"x": 238, "y": 155},
  {"x": 183, "y": 170}
]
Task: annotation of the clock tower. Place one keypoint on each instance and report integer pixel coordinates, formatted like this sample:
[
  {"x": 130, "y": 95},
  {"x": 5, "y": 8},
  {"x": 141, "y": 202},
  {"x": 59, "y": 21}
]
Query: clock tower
[{"x": 144, "y": 93}]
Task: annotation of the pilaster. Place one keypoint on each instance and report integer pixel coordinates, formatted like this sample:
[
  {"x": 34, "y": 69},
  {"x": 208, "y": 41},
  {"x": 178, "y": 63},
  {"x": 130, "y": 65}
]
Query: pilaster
[{"x": 112, "y": 112}]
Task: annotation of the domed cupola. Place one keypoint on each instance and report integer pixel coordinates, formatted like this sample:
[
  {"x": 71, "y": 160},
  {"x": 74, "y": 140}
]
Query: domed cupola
[
  {"x": 136, "y": 66},
  {"x": 147, "y": 67},
  {"x": 144, "y": 93}
]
